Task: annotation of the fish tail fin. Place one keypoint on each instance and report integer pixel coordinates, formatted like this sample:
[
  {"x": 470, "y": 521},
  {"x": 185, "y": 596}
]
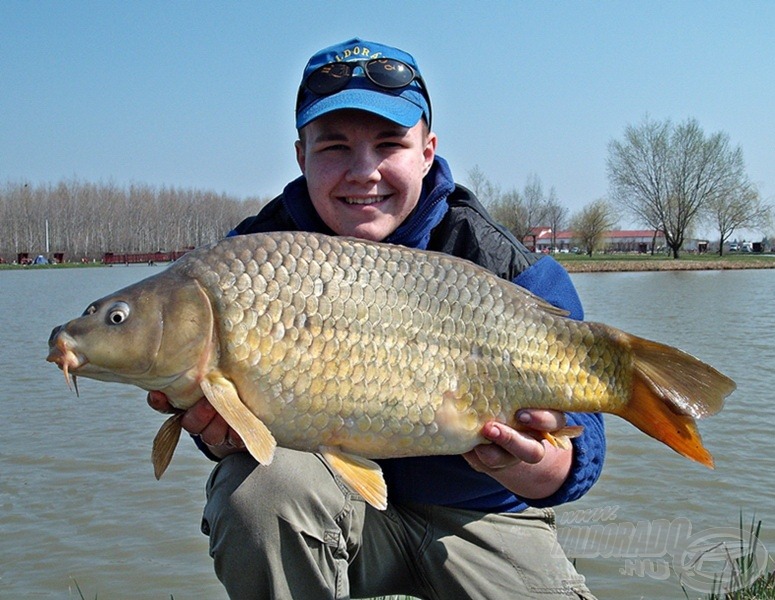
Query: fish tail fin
[{"x": 670, "y": 389}]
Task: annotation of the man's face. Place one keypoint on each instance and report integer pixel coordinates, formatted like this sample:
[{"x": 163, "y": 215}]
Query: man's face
[{"x": 364, "y": 173}]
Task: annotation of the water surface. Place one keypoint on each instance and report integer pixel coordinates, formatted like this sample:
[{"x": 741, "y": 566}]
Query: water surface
[{"x": 727, "y": 319}]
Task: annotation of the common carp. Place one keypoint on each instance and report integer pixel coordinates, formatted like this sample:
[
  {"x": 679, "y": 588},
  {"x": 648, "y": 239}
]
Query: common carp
[{"x": 360, "y": 351}]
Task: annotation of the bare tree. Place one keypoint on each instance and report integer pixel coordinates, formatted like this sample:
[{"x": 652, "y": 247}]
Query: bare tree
[
  {"x": 536, "y": 207},
  {"x": 556, "y": 216},
  {"x": 667, "y": 175},
  {"x": 508, "y": 209},
  {"x": 505, "y": 207},
  {"x": 522, "y": 212},
  {"x": 741, "y": 208},
  {"x": 484, "y": 189},
  {"x": 592, "y": 223}
]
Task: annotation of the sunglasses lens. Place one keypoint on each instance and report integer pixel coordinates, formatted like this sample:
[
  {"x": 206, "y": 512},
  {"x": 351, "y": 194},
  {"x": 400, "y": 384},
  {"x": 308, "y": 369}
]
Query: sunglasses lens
[
  {"x": 385, "y": 72},
  {"x": 389, "y": 73},
  {"x": 329, "y": 78}
]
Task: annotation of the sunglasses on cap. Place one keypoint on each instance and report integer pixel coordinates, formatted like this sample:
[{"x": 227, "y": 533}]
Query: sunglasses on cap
[{"x": 387, "y": 73}]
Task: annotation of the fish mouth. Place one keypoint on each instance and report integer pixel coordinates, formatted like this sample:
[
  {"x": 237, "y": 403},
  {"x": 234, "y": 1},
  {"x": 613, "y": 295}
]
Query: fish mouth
[{"x": 61, "y": 352}]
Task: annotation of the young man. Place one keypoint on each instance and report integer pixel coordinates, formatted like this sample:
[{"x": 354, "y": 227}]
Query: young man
[{"x": 472, "y": 526}]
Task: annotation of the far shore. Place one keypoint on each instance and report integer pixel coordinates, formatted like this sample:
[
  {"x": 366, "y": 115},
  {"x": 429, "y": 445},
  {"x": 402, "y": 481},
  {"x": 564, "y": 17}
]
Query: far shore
[
  {"x": 598, "y": 263},
  {"x": 627, "y": 263}
]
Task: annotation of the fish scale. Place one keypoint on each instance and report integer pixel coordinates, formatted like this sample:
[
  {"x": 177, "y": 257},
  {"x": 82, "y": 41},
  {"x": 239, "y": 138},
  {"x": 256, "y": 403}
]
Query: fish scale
[{"x": 362, "y": 350}]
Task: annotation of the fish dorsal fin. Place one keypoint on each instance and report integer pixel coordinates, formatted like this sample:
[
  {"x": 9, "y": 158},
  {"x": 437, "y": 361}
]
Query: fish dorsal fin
[
  {"x": 225, "y": 399},
  {"x": 360, "y": 474},
  {"x": 164, "y": 444},
  {"x": 530, "y": 298}
]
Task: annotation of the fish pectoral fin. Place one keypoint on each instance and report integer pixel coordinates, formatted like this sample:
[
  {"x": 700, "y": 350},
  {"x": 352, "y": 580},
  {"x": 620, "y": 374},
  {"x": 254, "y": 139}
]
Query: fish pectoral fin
[
  {"x": 226, "y": 400},
  {"x": 562, "y": 437},
  {"x": 362, "y": 475},
  {"x": 164, "y": 444}
]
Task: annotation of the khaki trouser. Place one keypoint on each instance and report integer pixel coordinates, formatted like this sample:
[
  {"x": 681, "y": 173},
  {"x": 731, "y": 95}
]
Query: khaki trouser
[{"x": 293, "y": 531}]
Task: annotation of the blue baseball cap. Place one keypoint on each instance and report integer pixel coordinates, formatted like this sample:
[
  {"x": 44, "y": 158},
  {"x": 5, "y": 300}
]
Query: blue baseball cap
[{"x": 405, "y": 105}]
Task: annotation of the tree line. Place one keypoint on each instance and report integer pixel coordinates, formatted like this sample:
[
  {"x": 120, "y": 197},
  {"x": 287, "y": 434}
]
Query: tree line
[
  {"x": 85, "y": 220},
  {"x": 669, "y": 178},
  {"x": 522, "y": 211}
]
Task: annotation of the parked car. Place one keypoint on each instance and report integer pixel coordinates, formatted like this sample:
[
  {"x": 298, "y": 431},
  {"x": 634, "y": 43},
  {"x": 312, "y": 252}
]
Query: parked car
[{"x": 734, "y": 247}]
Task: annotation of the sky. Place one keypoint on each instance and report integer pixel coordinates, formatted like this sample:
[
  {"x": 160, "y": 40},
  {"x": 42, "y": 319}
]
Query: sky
[{"x": 200, "y": 94}]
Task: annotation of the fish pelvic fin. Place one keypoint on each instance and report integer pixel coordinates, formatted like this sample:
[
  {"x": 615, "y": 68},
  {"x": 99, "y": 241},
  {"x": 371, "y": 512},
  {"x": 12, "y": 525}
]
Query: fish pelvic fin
[
  {"x": 361, "y": 475},
  {"x": 671, "y": 389},
  {"x": 164, "y": 444},
  {"x": 225, "y": 399}
]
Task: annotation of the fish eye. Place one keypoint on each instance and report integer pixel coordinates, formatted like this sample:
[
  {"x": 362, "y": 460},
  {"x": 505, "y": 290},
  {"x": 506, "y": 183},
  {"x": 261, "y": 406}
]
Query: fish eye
[{"x": 118, "y": 313}]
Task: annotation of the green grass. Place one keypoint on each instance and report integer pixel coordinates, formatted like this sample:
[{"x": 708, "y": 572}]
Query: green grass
[
  {"x": 707, "y": 257},
  {"x": 82, "y": 597},
  {"x": 66, "y": 265},
  {"x": 743, "y": 568}
]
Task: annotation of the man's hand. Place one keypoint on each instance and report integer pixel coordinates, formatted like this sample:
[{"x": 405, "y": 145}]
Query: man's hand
[
  {"x": 202, "y": 420},
  {"x": 519, "y": 460}
]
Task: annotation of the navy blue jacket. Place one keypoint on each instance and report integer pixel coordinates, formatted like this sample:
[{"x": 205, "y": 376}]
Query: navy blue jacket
[{"x": 450, "y": 219}]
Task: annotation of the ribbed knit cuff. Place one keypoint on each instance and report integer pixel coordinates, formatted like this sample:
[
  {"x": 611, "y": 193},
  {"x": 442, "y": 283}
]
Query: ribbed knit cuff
[{"x": 588, "y": 457}]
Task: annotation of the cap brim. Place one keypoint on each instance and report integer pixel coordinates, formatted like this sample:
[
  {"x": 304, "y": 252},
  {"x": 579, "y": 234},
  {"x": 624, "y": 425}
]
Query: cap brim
[{"x": 395, "y": 108}]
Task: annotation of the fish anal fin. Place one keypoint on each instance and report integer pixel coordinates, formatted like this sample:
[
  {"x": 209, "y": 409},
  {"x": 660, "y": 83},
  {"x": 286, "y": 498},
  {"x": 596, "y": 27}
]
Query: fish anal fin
[
  {"x": 653, "y": 416},
  {"x": 225, "y": 399},
  {"x": 362, "y": 475},
  {"x": 164, "y": 444}
]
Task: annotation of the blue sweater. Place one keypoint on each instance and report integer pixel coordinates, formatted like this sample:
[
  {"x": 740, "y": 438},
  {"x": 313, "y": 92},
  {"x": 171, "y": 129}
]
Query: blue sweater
[{"x": 448, "y": 218}]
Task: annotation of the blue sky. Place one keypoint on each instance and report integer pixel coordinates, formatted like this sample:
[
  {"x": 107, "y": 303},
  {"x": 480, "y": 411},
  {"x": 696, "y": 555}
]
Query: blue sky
[{"x": 200, "y": 94}]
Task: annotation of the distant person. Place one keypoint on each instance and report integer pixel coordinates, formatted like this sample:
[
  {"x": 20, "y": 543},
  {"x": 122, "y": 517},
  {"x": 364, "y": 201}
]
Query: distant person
[{"x": 473, "y": 526}]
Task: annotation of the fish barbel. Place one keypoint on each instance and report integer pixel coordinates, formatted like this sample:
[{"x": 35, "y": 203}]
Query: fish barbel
[{"x": 361, "y": 351}]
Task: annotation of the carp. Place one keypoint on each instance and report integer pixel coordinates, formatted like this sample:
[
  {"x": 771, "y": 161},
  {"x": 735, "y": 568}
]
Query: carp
[{"x": 361, "y": 350}]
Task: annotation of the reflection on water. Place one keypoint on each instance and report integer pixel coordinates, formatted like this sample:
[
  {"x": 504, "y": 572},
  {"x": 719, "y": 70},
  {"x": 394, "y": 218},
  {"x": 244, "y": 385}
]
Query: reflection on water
[{"x": 78, "y": 500}]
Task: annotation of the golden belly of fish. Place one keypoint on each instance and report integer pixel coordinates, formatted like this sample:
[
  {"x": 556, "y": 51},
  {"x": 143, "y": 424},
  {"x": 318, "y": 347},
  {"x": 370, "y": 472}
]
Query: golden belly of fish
[{"x": 361, "y": 350}]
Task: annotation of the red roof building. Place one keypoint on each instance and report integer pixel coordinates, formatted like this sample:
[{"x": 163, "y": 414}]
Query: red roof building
[{"x": 620, "y": 240}]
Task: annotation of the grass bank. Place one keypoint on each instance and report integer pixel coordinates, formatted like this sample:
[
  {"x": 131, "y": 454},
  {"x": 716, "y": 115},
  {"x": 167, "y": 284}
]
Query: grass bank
[
  {"x": 577, "y": 263},
  {"x": 612, "y": 263}
]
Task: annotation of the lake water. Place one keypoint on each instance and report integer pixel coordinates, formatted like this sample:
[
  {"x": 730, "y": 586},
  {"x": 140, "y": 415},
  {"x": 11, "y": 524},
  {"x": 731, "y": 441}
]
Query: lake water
[{"x": 79, "y": 503}]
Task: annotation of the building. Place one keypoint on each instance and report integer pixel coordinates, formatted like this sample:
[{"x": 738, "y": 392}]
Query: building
[{"x": 642, "y": 241}]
